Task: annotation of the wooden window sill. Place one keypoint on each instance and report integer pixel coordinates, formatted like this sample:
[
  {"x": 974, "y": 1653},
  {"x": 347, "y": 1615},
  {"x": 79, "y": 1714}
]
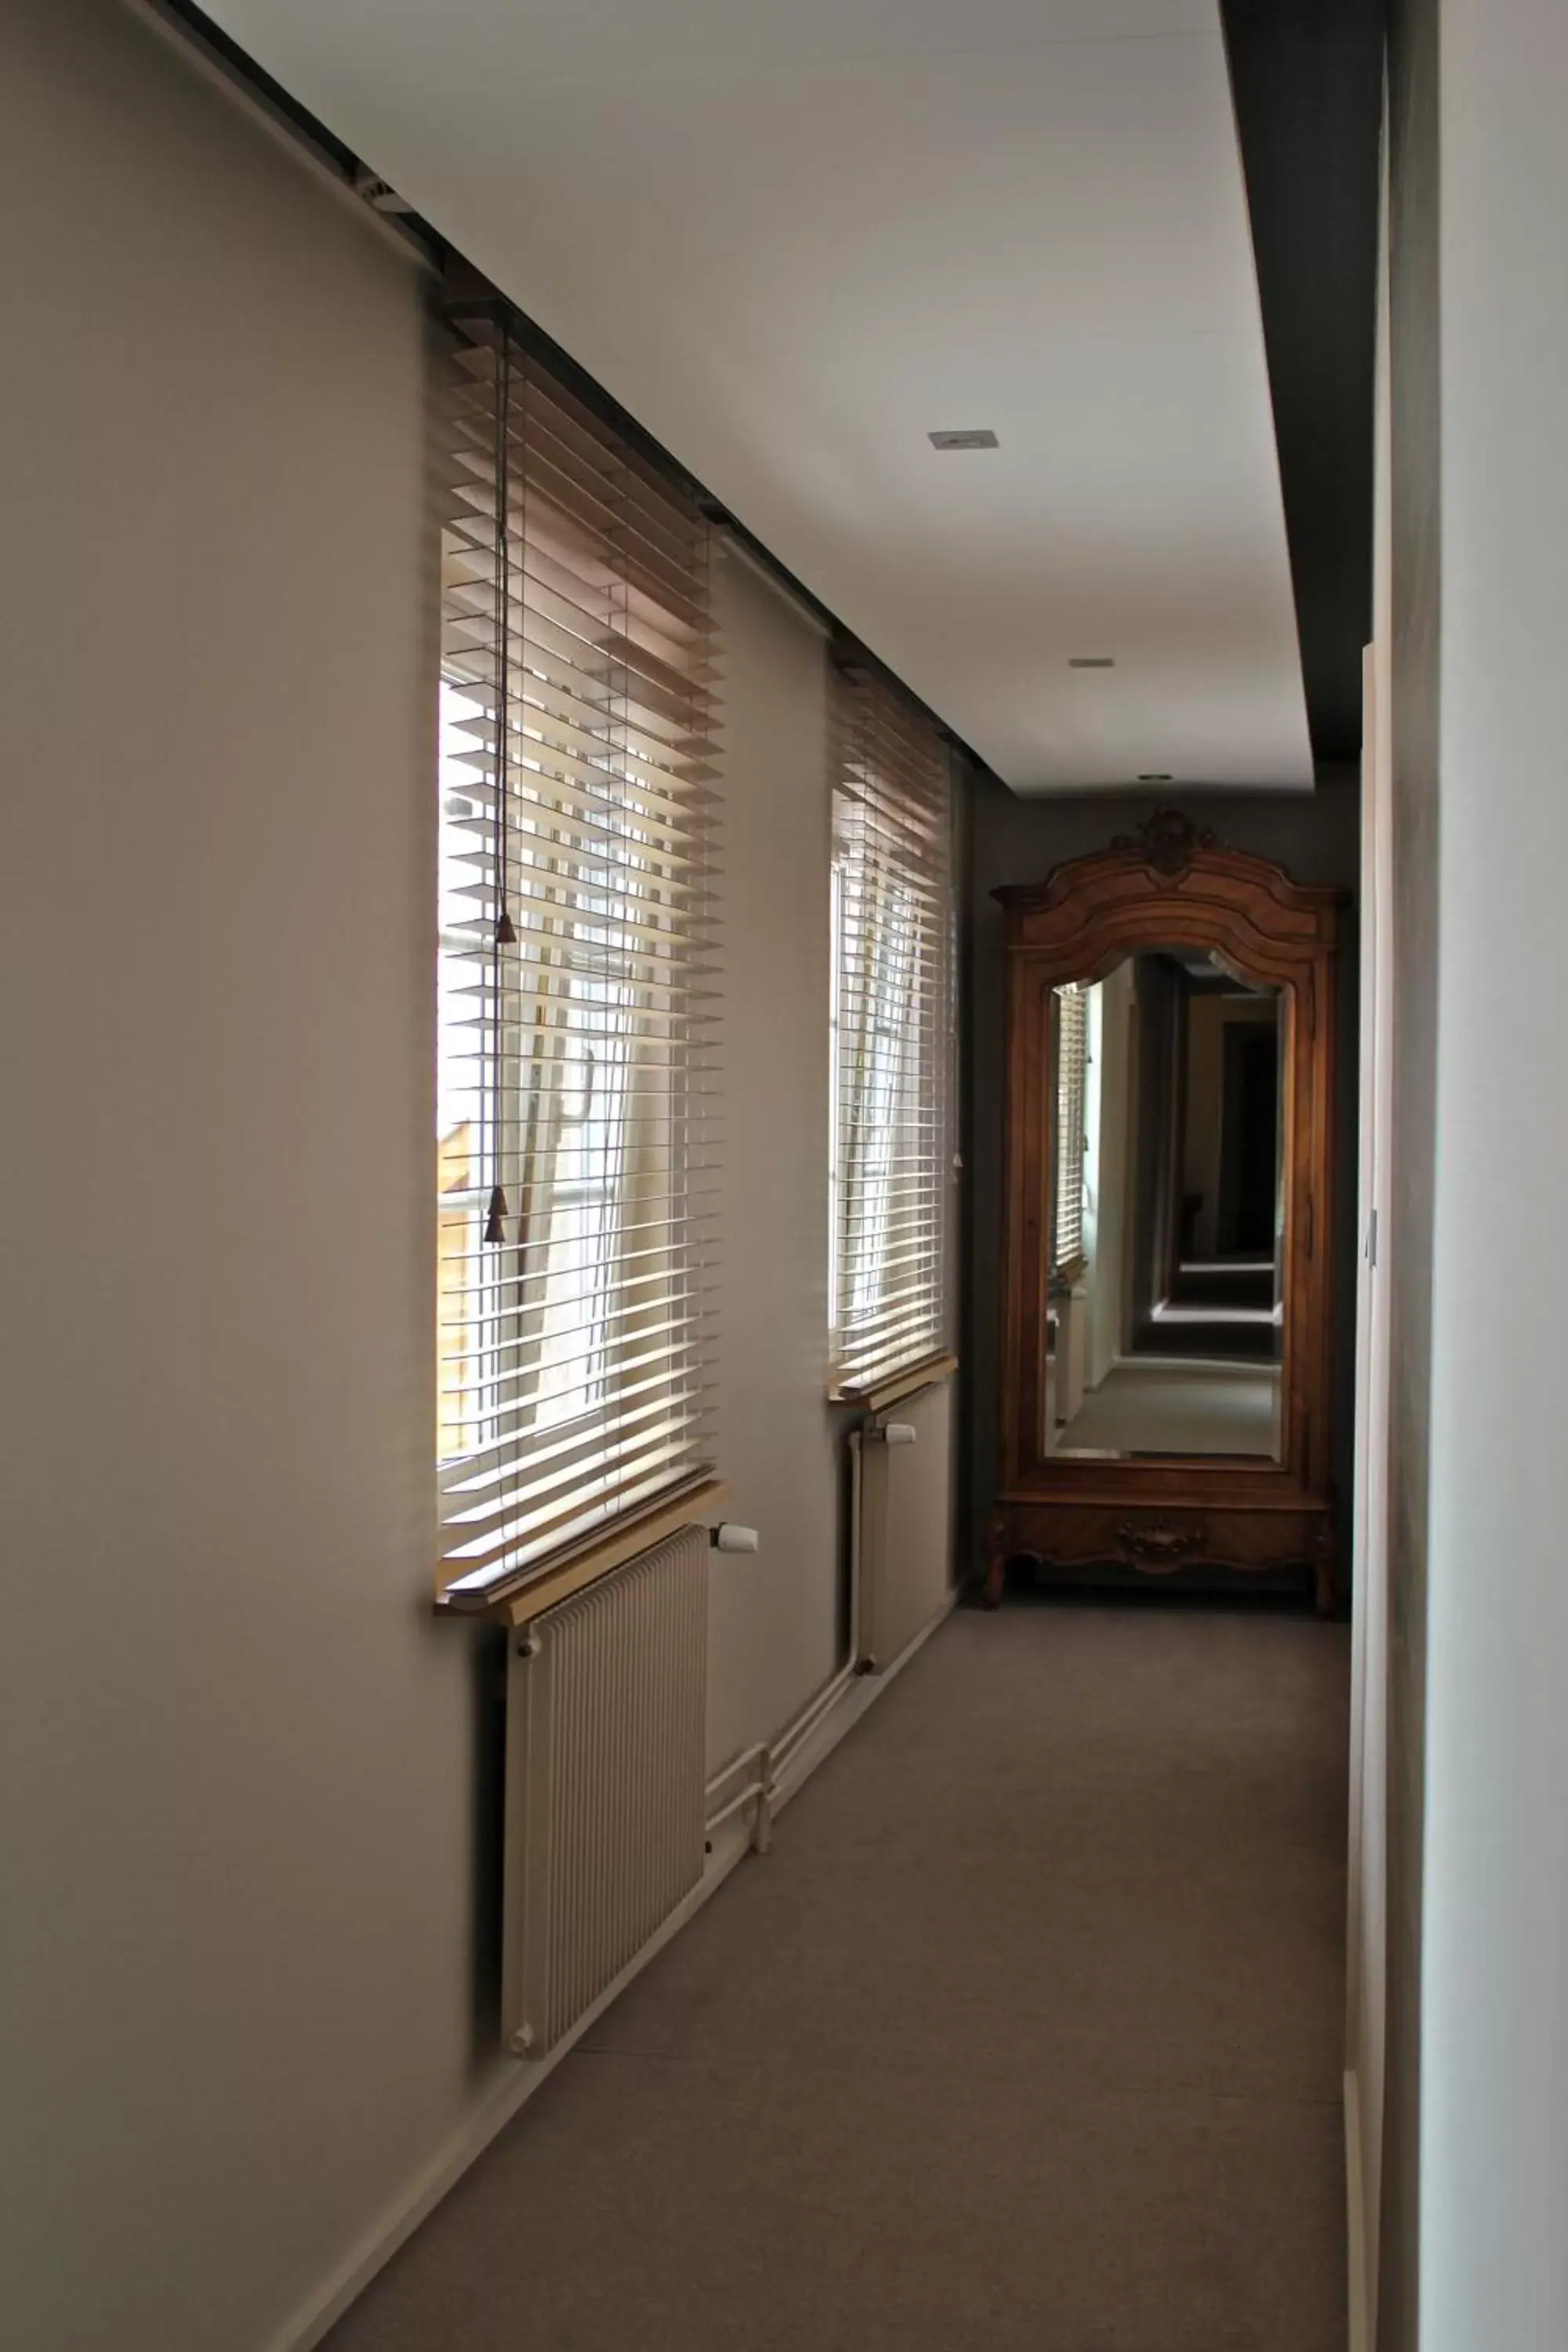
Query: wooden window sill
[
  {"x": 513, "y": 1600},
  {"x": 879, "y": 1394}
]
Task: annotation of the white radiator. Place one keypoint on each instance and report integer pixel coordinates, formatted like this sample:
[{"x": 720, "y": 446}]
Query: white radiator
[
  {"x": 606, "y": 1729},
  {"x": 904, "y": 1530}
]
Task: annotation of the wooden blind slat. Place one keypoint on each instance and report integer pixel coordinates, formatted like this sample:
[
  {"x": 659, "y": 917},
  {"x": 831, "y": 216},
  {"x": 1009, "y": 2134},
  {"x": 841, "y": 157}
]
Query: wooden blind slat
[
  {"x": 892, "y": 1030},
  {"x": 577, "y": 1103}
]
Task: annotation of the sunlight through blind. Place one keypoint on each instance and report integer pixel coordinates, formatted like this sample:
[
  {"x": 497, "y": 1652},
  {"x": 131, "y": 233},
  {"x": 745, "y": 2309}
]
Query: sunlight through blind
[
  {"x": 576, "y": 1150},
  {"x": 892, "y": 1028},
  {"x": 1071, "y": 1138}
]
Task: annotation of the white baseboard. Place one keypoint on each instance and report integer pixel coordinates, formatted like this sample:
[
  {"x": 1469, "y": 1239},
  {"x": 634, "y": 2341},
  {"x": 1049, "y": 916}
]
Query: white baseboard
[
  {"x": 517, "y": 2086},
  {"x": 1361, "y": 2318},
  {"x": 856, "y": 1700},
  {"x": 731, "y": 1844}
]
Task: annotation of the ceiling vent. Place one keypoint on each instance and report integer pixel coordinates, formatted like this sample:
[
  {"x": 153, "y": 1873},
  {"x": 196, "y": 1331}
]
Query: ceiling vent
[
  {"x": 978, "y": 436},
  {"x": 378, "y": 196},
  {"x": 1091, "y": 661}
]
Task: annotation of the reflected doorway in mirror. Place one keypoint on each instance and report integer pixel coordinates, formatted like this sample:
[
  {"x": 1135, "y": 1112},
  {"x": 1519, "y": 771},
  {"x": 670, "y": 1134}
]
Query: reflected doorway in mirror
[{"x": 1165, "y": 1328}]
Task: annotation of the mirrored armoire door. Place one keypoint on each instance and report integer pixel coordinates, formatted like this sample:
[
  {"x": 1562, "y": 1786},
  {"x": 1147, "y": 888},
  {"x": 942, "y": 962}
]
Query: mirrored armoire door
[{"x": 1170, "y": 1075}]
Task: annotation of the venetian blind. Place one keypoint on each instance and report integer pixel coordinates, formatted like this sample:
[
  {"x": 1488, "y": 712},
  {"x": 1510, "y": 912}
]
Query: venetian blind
[
  {"x": 892, "y": 1028},
  {"x": 1072, "y": 1053},
  {"x": 577, "y": 1145}
]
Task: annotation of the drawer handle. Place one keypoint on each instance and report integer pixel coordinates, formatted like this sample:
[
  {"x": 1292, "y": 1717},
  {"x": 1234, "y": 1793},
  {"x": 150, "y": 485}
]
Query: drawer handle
[{"x": 1159, "y": 1547}]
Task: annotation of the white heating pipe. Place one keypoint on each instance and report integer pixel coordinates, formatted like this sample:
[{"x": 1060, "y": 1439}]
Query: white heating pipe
[
  {"x": 736, "y": 1764},
  {"x": 759, "y": 1791},
  {"x": 806, "y": 1721},
  {"x": 773, "y": 1752},
  {"x": 752, "y": 1789},
  {"x": 856, "y": 1447}
]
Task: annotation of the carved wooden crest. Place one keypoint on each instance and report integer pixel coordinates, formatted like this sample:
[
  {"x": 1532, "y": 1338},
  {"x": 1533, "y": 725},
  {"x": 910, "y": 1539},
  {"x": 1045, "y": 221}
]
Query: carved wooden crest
[{"x": 1167, "y": 841}]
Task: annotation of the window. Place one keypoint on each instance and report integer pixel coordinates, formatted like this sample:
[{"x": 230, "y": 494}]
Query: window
[
  {"x": 1071, "y": 1135},
  {"x": 575, "y": 1019},
  {"x": 892, "y": 1032}
]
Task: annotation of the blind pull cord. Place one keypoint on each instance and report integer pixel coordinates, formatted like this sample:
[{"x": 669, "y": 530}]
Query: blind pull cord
[{"x": 505, "y": 930}]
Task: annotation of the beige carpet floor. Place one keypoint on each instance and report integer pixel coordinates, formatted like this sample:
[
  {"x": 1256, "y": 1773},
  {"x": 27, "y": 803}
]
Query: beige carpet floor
[
  {"x": 1200, "y": 1409},
  {"x": 1026, "y": 2036}
]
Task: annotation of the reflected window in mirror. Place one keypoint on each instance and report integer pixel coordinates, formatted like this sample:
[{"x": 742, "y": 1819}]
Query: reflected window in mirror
[
  {"x": 1071, "y": 1044},
  {"x": 1164, "y": 1330}
]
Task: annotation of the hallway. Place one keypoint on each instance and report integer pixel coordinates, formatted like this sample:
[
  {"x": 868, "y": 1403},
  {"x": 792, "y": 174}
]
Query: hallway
[
  {"x": 1027, "y": 2035},
  {"x": 1172, "y": 1407}
]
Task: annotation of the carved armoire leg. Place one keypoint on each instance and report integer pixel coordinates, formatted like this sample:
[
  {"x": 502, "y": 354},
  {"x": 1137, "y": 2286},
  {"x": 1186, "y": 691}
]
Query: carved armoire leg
[{"x": 995, "y": 1580}]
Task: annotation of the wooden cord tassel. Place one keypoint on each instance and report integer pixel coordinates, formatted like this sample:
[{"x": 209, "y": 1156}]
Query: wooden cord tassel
[{"x": 496, "y": 1216}]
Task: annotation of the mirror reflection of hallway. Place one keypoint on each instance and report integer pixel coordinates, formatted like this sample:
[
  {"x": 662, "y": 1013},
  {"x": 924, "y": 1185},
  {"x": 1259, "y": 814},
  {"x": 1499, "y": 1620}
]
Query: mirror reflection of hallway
[{"x": 1164, "y": 1330}]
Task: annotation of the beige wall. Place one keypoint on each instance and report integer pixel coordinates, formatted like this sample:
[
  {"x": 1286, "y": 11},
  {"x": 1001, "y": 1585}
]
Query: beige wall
[
  {"x": 775, "y": 1615},
  {"x": 248, "y": 1907}
]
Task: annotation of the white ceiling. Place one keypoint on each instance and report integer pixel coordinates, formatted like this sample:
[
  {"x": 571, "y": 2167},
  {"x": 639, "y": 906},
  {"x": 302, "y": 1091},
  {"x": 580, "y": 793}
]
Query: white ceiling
[{"x": 792, "y": 237}]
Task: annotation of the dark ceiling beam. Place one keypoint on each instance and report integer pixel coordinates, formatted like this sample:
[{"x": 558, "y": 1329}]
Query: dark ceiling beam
[{"x": 1307, "y": 80}]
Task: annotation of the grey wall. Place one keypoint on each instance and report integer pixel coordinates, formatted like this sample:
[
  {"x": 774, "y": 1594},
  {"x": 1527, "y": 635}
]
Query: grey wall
[
  {"x": 1307, "y": 80},
  {"x": 1315, "y": 837},
  {"x": 1414, "y": 551},
  {"x": 1494, "y": 1914},
  {"x": 249, "y": 1830}
]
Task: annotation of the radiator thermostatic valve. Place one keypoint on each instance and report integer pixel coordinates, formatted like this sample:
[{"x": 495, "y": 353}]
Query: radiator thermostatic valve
[{"x": 728, "y": 1536}]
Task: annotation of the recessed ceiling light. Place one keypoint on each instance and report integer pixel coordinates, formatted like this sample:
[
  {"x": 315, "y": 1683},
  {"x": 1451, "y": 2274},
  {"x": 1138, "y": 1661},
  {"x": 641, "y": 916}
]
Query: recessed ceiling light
[
  {"x": 1155, "y": 776},
  {"x": 1091, "y": 661},
  {"x": 972, "y": 438}
]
